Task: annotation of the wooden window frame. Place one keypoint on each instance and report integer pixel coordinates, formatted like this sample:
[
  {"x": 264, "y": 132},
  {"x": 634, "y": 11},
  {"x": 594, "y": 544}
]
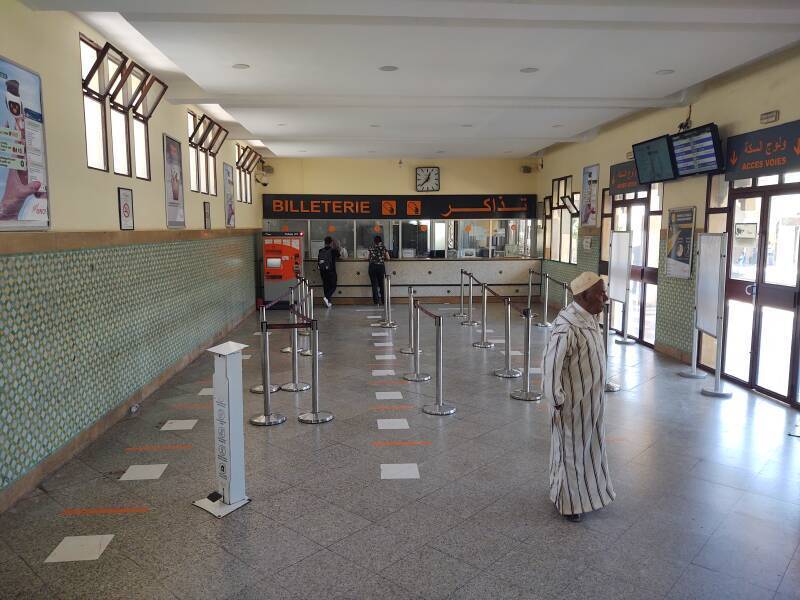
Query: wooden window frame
[{"x": 95, "y": 97}]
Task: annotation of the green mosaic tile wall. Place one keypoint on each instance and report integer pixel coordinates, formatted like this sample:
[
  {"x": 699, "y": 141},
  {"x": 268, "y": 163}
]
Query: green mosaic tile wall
[
  {"x": 81, "y": 331},
  {"x": 588, "y": 260},
  {"x": 674, "y": 308}
]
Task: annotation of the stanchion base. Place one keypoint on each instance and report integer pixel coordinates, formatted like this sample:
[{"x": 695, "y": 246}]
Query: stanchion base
[
  {"x": 408, "y": 351},
  {"x": 388, "y": 325},
  {"x": 526, "y": 396},
  {"x": 312, "y": 418},
  {"x": 460, "y": 315},
  {"x": 544, "y": 324},
  {"x": 300, "y": 386},
  {"x": 469, "y": 323},
  {"x": 308, "y": 353},
  {"x": 483, "y": 345},
  {"x": 288, "y": 350},
  {"x": 219, "y": 509},
  {"x": 267, "y": 420},
  {"x": 625, "y": 342},
  {"x": 259, "y": 389},
  {"x": 508, "y": 373},
  {"x": 417, "y": 377},
  {"x": 439, "y": 410},
  {"x": 715, "y": 394},
  {"x": 612, "y": 387},
  {"x": 693, "y": 374},
  {"x": 303, "y": 332}
]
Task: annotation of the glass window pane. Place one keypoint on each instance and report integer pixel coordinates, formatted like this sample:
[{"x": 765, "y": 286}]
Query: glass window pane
[
  {"x": 637, "y": 235},
  {"x": 539, "y": 235},
  {"x": 95, "y": 140},
  {"x": 554, "y": 193},
  {"x": 473, "y": 238},
  {"x": 212, "y": 175},
  {"x": 718, "y": 197},
  {"x": 562, "y": 189},
  {"x": 119, "y": 142},
  {"x": 621, "y": 218},
  {"x": 630, "y": 196},
  {"x": 742, "y": 183},
  {"x": 416, "y": 236},
  {"x": 634, "y": 308},
  {"x": 509, "y": 237},
  {"x": 654, "y": 241},
  {"x": 140, "y": 150},
  {"x": 366, "y": 230},
  {"x": 616, "y": 315},
  {"x": 555, "y": 239},
  {"x": 768, "y": 180},
  {"x": 201, "y": 175},
  {"x": 566, "y": 236},
  {"x": 606, "y": 202},
  {"x": 605, "y": 239},
  {"x": 782, "y": 240},
  {"x": 775, "y": 349},
  {"x": 574, "y": 241},
  {"x": 547, "y": 239},
  {"x": 641, "y": 194},
  {"x": 341, "y": 232},
  {"x": 738, "y": 336},
  {"x": 651, "y": 302},
  {"x": 793, "y": 177},
  {"x": 744, "y": 257},
  {"x": 193, "y": 180},
  {"x": 88, "y": 58},
  {"x": 717, "y": 222},
  {"x": 656, "y": 196},
  {"x": 708, "y": 350},
  {"x": 568, "y": 186}
]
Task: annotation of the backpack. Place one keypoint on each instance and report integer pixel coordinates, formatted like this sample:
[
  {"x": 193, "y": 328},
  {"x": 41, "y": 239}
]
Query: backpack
[{"x": 325, "y": 259}]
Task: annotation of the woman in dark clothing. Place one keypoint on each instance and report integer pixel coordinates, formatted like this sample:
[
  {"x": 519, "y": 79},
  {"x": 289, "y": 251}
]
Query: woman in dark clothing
[{"x": 378, "y": 255}]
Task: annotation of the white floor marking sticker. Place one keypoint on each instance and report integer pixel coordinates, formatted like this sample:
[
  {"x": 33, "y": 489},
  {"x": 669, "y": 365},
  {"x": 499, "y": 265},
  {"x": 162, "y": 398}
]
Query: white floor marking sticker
[
  {"x": 392, "y": 424},
  {"x": 385, "y": 357},
  {"x": 388, "y": 395},
  {"x": 380, "y": 334},
  {"x": 142, "y": 472},
  {"x": 373, "y": 316},
  {"x": 400, "y": 471},
  {"x": 247, "y": 356},
  {"x": 512, "y": 353},
  {"x": 536, "y": 370},
  {"x": 79, "y": 547},
  {"x": 179, "y": 425},
  {"x": 382, "y": 344},
  {"x": 206, "y": 392},
  {"x": 382, "y": 372},
  {"x": 368, "y": 309},
  {"x": 497, "y": 340}
]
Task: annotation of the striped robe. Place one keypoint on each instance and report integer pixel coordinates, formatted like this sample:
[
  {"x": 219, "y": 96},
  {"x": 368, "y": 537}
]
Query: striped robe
[{"x": 573, "y": 383}]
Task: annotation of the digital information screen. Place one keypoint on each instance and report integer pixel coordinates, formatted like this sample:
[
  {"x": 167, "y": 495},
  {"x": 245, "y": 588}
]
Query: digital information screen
[
  {"x": 697, "y": 151},
  {"x": 654, "y": 160}
]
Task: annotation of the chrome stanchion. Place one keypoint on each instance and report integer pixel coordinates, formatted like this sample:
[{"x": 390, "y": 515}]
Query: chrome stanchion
[
  {"x": 416, "y": 375},
  {"x": 484, "y": 343},
  {"x": 295, "y": 385},
  {"x": 440, "y": 408},
  {"x": 387, "y": 300},
  {"x": 461, "y": 314},
  {"x": 268, "y": 417},
  {"x": 410, "y": 348},
  {"x": 302, "y": 302},
  {"x": 692, "y": 372},
  {"x": 470, "y": 322},
  {"x": 545, "y": 302},
  {"x": 566, "y": 295},
  {"x": 525, "y": 393},
  {"x": 316, "y": 416},
  {"x": 610, "y": 385},
  {"x": 530, "y": 287},
  {"x": 625, "y": 341},
  {"x": 310, "y": 315},
  {"x": 508, "y": 372},
  {"x": 292, "y": 319}
]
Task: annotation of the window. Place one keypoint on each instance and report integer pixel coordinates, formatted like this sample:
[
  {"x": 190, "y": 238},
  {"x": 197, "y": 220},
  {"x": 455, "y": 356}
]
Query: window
[
  {"x": 246, "y": 160},
  {"x": 212, "y": 175},
  {"x": 194, "y": 182},
  {"x": 120, "y": 142},
  {"x": 94, "y": 108},
  {"x": 341, "y": 231},
  {"x": 561, "y": 222},
  {"x": 366, "y": 230},
  {"x": 141, "y": 149},
  {"x": 473, "y": 238}
]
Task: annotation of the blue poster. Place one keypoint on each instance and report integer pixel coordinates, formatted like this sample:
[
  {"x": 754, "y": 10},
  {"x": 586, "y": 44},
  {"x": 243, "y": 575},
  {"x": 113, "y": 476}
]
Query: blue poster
[{"x": 23, "y": 159}]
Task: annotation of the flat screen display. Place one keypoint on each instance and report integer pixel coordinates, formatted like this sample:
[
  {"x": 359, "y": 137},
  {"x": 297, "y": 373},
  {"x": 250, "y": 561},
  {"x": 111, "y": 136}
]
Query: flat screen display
[
  {"x": 698, "y": 151},
  {"x": 654, "y": 160}
]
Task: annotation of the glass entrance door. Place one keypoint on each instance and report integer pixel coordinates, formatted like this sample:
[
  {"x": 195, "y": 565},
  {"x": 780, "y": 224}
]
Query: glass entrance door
[
  {"x": 761, "y": 292},
  {"x": 632, "y": 217}
]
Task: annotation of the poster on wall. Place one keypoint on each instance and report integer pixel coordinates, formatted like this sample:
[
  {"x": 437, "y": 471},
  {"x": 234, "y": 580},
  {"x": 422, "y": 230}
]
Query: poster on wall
[
  {"x": 173, "y": 183},
  {"x": 207, "y": 215},
  {"x": 23, "y": 159},
  {"x": 589, "y": 188},
  {"x": 227, "y": 176},
  {"x": 680, "y": 238},
  {"x": 125, "y": 202}
]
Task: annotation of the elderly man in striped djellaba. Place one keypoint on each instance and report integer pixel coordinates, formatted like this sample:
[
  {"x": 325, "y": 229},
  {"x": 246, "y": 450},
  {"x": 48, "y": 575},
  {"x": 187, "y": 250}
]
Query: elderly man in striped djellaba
[{"x": 574, "y": 387}]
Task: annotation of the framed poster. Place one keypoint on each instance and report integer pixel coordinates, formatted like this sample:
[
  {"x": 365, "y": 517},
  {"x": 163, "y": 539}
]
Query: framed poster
[
  {"x": 227, "y": 187},
  {"x": 680, "y": 241},
  {"x": 589, "y": 188},
  {"x": 207, "y": 215},
  {"x": 125, "y": 202},
  {"x": 24, "y": 192},
  {"x": 173, "y": 183}
]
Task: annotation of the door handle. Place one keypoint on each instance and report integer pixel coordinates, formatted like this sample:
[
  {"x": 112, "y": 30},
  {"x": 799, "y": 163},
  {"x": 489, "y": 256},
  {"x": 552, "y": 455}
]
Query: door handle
[{"x": 751, "y": 290}]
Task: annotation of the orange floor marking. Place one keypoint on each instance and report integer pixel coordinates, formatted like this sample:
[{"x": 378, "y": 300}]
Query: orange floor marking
[
  {"x": 392, "y": 407},
  {"x": 192, "y": 405},
  {"x": 158, "y": 447},
  {"x": 85, "y": 512},
  {"x": 386, "y": 444}
]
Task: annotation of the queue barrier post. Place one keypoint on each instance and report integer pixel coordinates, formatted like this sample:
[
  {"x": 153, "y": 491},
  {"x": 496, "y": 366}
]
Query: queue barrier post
[
  {"x": 267, "y": 418},
  {"x": 416, "y": 375},
  {"x": 461, "y": 314},
  {"x": 303, "y": 304},
  {"x": 692, "y": 372},
  {"x": 316, "y": 416},
  {"x": 545, "y": 302},
  {"x": 508, "y": 372},
  {"x": 530, "y": 286},
  {"x": 526, "y": 394},
  {"x": 439, "y": 408},
  {"x": 610, "y": 385},
  {"x": 484, "y": 343},
  {"x": 470, "y": 322},
  {"x": 410, "y": 348},
  {"x": 292, "y": 318},
  {"x": 310, "y": 315},
  {"x": 295, "y": 385},
  {"x": 387, "y": 304}
]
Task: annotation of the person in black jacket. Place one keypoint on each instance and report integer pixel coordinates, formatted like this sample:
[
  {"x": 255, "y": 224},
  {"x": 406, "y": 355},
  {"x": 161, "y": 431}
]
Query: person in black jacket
[
  {"x": 378, "y": 255},
  {"x": 327, "y": 269}
]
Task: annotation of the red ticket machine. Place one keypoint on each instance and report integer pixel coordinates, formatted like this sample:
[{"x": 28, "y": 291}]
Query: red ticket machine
[{"x": 282, "y": 261}]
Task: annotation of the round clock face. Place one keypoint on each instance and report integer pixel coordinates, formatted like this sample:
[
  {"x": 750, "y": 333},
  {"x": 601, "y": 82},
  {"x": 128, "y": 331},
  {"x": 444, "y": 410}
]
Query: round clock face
[{"x": 427, "y": 179}]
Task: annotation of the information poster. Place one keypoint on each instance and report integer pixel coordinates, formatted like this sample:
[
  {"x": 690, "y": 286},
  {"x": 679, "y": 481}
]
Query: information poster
[
  {"x": 23, "y": 159},
  {"x": 589, "y": 189},
  {"x": 125, "y": 200},
  {"x": 227, "y": 187},
  {"x": 680, "y": 236},
  {"x": 173, "y": 183}
]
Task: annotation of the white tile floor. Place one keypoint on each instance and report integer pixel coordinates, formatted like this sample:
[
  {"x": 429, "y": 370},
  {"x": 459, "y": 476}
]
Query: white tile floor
[
  {"x": 179, "y": 425},
  {"x": 380, "y": 334},
  {"x": 206, "y": 391},
  {"x": 388, "y": 395},
  {"x": 392, "y": 423},
  {"x": 79, "y": 548},
  {"x": 142, "y": 472},
  {"x": 382, "y": 372},
  {"x": 383, "y": 344},
  {"x": 385, "y": 357},
  {"x": 400, "y": 471}
]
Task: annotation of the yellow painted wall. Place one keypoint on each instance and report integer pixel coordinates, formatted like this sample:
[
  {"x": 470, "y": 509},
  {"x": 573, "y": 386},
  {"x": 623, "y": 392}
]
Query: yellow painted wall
[
  {"x": 734, "y": 102},
  {"x": 83, "y": 199},
  {"x": 388, "y": 176}
]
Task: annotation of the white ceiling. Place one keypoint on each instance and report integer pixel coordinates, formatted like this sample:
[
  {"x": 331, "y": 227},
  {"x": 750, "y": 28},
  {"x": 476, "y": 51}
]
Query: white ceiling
[{"x": 314, "y": 65}]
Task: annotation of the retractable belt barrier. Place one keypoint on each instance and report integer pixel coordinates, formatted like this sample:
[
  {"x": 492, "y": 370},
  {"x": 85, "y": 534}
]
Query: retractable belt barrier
[
  {"x": 259, "y": 389},
  {"x": 469, "y": 322},
  {"x": 439, "y": 408},
  {"x": 531, "y": 272},
  {"x": 461, "y": 314},
  {"x": 484, "y": 342},
  {"x": 546, "y": 298},
  {"x": 526, "y": 394},
  {"x": 387, "y": 322},
  {"x": 410, "y": 348}
]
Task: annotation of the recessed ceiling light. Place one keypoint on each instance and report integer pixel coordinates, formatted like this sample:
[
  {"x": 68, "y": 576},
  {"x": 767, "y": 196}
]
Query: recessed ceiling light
[
  {"x": 440, "y": 152},
  {"x": 302, "y": 150},
  {"x": 241, "y": 66},
  {"x": 388, "y": 68},
  {"x": 374, "y": 125},
  {"x": 466, "y": 125},
  {"x": 371, "y": 151},
  {"x": 281, "y": 124},
  {"x": 557, "y": 125},
  {"x": 507, "y": 152},
  {"x": 528, "y": 70},
  {"x": 665, "y": 71}
]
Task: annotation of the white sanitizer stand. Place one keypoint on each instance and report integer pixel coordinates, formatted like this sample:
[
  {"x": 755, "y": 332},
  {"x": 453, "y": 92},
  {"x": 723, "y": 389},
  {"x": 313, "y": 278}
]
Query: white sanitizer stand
[{"x": 228, "y": 432}]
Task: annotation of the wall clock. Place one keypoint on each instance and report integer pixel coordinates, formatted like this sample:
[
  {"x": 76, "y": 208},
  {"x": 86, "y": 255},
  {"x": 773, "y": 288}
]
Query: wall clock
[{"x": 428, "y": 179}]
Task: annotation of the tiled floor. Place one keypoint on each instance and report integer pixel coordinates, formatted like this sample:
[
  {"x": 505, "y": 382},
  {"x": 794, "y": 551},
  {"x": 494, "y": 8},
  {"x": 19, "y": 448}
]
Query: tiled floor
[{"x": 708, "y": 491}]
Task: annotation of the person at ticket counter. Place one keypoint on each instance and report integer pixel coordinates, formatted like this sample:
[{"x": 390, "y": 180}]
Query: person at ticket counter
[
  {"x": 573, "y": 384},
  {"x": 378, "y": 255},
  {"x": 327, "y": 269}
]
